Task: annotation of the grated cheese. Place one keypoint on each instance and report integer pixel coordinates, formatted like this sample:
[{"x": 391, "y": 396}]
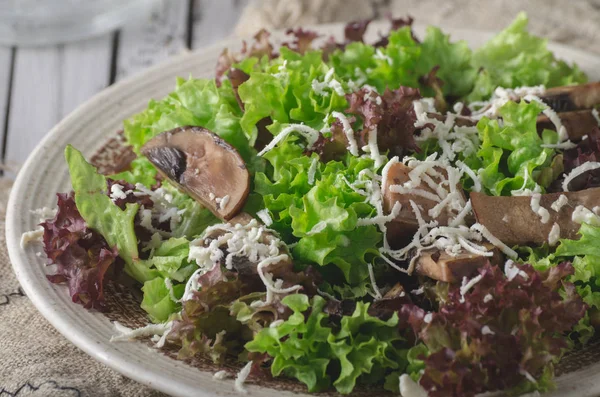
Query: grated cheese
[
  {"x": 117, "y": 192},
  {"x": 410, "y": 388},
  {"x": 554, "y": 234},
  {"x": 265, "y": 217},
  {"x": 552, "y": 115},
  {"x": 583, "y": 215},
  {"x": 596, "y": 115},
  {"x": 45, "y": 213},
  {"x": 374, "y": 148},
  {"x": 310, "y": 134},
  {"x": 513, "y": 271},
  {"x": 241, "y": 378},
  {"x": 277, "y": 323},
  {"x": 352, "y": 145},
  {"x": 127, "y": 334},
  {"x": 494, "y": 240},
  {"x": 543, "y": 213},
  {"x": 467, "y": 285},
  {"x": 575, "y": 172},
  {"x": 487, "y": 298},
  {"x": 427, "y": 318},
  {"x": 169, "y": 286},
  {"x": 221, "y": 375},
  {"x": 560, "y": 202},
  {"x": 378, "y": 295},
  {"x": 312, "y": 170},
  {"x": 317, "y": 228},
  {"x": 32, "y": 236},
  {"x": 566, "y": 145},
  {"x": 485, "y": 330}
]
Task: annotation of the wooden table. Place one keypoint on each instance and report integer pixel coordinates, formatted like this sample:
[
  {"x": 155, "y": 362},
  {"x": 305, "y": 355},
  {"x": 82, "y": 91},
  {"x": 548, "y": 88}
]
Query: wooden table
[{"x": 41, "y": 85}]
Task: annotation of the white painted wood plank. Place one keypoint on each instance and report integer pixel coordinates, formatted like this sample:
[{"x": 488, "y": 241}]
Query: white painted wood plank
[
  {"x": 85, "y": 71},
  {"x": 35, "y": 105},
  {"x": 48, "y": 83},
  {"x": 163, "y": 35},
  {"x": 215, "y": 20},
  {"x": 5, "y": 60}
]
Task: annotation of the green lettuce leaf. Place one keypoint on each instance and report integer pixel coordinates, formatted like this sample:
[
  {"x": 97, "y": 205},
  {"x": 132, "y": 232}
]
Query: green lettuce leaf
[
  {"x": 515, "y": 58},
  {"x": 98, "y": 210},
  {"x": 197, "y": 102},
  {"x": 511, "y": 156},
  {"x": 158, "y": 302},
  {"x": 305, "y": 347}
]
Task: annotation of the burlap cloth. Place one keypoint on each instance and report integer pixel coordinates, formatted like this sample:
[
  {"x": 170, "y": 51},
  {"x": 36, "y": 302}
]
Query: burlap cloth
[{"x": 36, "y": 360}]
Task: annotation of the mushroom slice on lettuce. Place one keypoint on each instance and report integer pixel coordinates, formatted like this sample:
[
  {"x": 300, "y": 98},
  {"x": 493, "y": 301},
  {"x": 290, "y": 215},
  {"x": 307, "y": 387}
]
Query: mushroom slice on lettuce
[
  {"x": 514, "y": 221},
  {"x": 578, "y": 123},
  {"x": 439, "y": 265},
  {"x": 204, "y": 166},
  {"x": 405, "y": 224},
  {"x": 572, "y": 97}
]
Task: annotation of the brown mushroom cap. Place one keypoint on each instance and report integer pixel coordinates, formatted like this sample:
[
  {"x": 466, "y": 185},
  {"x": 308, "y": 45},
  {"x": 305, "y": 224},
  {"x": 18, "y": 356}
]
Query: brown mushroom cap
[
  {"x": 512, "y": 220},
  {"x": 574, "y": 97},
  {"x": 202, "y": 165}
]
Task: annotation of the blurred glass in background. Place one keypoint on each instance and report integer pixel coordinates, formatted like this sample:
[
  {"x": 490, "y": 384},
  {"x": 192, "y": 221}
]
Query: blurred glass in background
[{"x": 42, "y": 22}]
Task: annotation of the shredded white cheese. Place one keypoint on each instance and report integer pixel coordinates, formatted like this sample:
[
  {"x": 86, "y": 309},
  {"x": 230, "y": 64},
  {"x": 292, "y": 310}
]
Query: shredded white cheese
[
  {"x": 376, "y": 290},
  {"x": 512, "y": 271},
  {"x": 352, "y": 145},
  {"x": 317, "y": 228},
  {"x": 596, "y": 115},
  {"x": 32, "y": 236},
  {"x": 117, "y": 192},
  {"x": 584, "y": 215},
  {"x": 221, "y": 375},
  {"x": 554, "y": 234},
  {"x": 575, "y": 172},
  {"x": 494, "y": 240},
  {"x": 310, "y": 134},
  {"x": 127, "y": 334},
  {"x": 487, "y": 298},
  {"x": 312, "y": 170},
  {"x": 410, "y": 388},
  {"x": 427, "y": 318},
  {"x": 467, "y": 285},
  {"x": 560, "y": 202},
  {"x": 265, "y": 217},
  {"x": 543, "y": 213},
  {"x": 241, "y": 378},
  {"x": 485, "y": 330}
]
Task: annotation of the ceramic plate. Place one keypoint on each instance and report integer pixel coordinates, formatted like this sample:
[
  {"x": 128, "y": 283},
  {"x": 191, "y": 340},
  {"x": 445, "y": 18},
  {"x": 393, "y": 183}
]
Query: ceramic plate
[{"x": 89, "y": 128}]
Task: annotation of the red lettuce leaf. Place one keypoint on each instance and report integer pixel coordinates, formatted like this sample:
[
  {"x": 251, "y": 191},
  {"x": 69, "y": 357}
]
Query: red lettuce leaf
[
  {"x": 498, "y": 334},
  {"x": 302, "y": 40},
  {"x": 81, "y": 255},
  {"x": 393, "y": 116},
  {"x": 586, "y": 150}
]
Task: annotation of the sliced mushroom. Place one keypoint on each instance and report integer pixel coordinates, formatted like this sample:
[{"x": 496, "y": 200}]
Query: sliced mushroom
[
  {"x": 569, "y": 98},
  {"x": 204, "y": 166},
  {"x": 512, "y": 220},
  {"x": 441, "y": 266},
  {"x": 404, "y": 226},
  {"x": 578, "y": 123}
]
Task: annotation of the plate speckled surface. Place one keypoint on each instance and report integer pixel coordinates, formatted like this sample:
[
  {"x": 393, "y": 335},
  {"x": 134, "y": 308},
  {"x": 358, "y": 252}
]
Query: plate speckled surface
[{"x": 89, "y": 128}]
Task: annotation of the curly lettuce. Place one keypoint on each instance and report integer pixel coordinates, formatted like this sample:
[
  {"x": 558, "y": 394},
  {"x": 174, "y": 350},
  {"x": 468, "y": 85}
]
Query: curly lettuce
[
  {"x": 516, "y": 58},
  {"x": 308, "y": 348}
]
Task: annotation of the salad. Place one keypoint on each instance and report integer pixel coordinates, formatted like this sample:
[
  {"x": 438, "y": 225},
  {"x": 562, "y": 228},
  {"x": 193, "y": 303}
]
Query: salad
[{"x": 409, "y": 215}]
